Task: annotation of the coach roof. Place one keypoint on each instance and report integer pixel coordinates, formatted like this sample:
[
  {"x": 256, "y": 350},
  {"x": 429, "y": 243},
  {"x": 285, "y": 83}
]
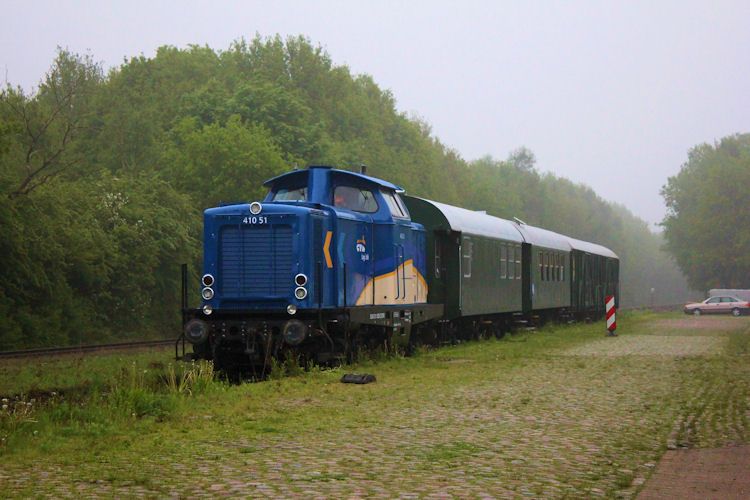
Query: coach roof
[
  {"x": 470, "y": 222},
  {"x": 593, "y": 248},
  {"x": 543, "y": 237}
]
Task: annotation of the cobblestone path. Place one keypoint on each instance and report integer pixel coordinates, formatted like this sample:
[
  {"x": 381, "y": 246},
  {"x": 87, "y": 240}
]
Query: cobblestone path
[{"x": 487, "y": 420}]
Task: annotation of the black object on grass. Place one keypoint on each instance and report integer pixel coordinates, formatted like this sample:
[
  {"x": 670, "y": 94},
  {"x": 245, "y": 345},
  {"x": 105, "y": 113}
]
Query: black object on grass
[{"x": 357, "y": 378}]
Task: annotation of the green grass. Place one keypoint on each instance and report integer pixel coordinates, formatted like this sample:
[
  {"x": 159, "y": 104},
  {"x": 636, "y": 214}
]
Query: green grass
[
  {"x": 74, "y": 372},
  {"x": 520, "y": 416}
]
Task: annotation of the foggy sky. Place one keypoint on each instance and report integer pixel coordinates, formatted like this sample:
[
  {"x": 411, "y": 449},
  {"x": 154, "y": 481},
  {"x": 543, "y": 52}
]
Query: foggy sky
[{"x": 611, "y": 94}]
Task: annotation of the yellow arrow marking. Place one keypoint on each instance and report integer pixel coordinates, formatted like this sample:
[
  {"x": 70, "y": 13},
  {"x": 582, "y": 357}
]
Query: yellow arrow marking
[{"x": 327, "y": 249}]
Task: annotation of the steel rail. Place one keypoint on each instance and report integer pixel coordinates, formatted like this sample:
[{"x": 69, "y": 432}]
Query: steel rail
[{"x": 81, "y": 349}]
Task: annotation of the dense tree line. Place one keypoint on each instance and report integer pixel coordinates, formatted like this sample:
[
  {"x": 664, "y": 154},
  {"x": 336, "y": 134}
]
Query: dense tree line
[
  {"x": 103, "y": 178},
  {"x": 707, "y": 226}
]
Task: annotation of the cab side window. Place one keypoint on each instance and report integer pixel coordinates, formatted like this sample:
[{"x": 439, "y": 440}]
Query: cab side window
[
  {"x": 393, "y": 205},
  {"x": 354, "y": 198}
]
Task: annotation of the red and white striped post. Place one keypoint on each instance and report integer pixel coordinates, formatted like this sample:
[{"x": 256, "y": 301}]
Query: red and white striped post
[{"x": 609, "y": 307}]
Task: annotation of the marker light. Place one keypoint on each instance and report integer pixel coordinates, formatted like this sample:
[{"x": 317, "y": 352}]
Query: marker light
[
  {"x": 255, "y": 208},
  {"x": 300, "y": 293},
  {"x": 207, "y": 293}
]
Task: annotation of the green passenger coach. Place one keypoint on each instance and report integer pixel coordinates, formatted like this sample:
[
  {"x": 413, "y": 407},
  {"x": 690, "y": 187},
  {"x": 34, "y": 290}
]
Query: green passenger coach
[
  {"x": 595, "y": 274},
  {"x": 474, "y": 260},
  {"x": 548, "y": 254}
]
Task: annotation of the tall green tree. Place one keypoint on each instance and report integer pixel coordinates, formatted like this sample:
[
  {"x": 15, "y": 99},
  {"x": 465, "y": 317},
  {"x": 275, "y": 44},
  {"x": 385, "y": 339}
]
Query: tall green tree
[
  {"x": 47, "y": 124},
  {"x": 707, "y": 227}
]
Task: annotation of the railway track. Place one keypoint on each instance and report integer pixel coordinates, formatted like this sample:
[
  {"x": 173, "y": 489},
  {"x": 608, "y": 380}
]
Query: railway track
[
  {"x": 83, "y": 349},
  {"x": 125, "y": 346}
]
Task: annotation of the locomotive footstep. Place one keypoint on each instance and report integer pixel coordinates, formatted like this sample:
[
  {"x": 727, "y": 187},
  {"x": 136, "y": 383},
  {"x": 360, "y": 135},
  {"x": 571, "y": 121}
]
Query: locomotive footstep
[{"x": 357, "y": 378}]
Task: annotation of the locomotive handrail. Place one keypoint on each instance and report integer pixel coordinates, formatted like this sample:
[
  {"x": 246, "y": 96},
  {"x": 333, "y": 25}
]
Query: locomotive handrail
[
  {"x": 398, "y": 286},
  {"x": 344, "y": 266},
  {"x": 402, "y": 265},
  {"x": 403, "y": 270}
]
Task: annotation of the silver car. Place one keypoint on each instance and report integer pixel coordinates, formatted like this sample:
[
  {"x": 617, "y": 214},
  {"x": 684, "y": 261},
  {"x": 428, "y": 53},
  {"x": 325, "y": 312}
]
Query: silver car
[{"x": 718, "y": 305}]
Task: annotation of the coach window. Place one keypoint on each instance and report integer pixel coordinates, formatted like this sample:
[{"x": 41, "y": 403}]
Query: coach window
[
  {"x": 518, "y": 262},
  {"x": 553, "y": 266},
  {"x": 557, "y": 267},
  {"x": 438, "y": 259},
  {"x": 543, "y": 256},
  {"x": 393, "y": 205},
  {"x": 562, "y": 269},
  {"x": 467, "y": 251},
  {"x": 503, "y": 261},
  {"x": 546, "y": 266},
  {"x": 541, "y": 265},
  {"x": 511, "y": 267},
  {"x": 356, "y": 199}
]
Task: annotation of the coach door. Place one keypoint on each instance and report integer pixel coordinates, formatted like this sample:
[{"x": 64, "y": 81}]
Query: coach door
[{"x": 526, "y": 277}]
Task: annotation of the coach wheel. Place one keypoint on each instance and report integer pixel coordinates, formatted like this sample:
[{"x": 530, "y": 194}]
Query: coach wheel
[
  {"x": 696, "y": 312},
  {"x": 499, "y": 331}
]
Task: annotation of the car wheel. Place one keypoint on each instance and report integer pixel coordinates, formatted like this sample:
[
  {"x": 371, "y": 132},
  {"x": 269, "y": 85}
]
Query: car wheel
[
  {"x": 696, "y": 312},
  {"x": 736, "y": 311}
]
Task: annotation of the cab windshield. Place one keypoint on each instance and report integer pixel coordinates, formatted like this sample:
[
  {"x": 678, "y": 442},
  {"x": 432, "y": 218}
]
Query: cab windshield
[{"x": 290, "y": 194}]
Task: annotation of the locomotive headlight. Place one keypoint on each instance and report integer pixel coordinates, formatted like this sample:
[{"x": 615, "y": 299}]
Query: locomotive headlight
[
  {"x": 207, "y": 309},
  {"x": 207, "y": 293},
  {"x": 255, "y": 208},
  {"x": 196, "y": 331},
  {"x": 300, "y": 293},
  {"x": 208, "y": 280},
  {"x": 291, "y": 309},
  {"x": 294, "y": 332},
  {"x": 300, "y": 279}
]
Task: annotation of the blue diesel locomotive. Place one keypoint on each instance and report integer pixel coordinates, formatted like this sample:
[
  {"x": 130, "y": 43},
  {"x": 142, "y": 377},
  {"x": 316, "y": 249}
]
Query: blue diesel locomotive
[
  {"x": 332, "y": 261},
  {"x": 327, "y": 263}
]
